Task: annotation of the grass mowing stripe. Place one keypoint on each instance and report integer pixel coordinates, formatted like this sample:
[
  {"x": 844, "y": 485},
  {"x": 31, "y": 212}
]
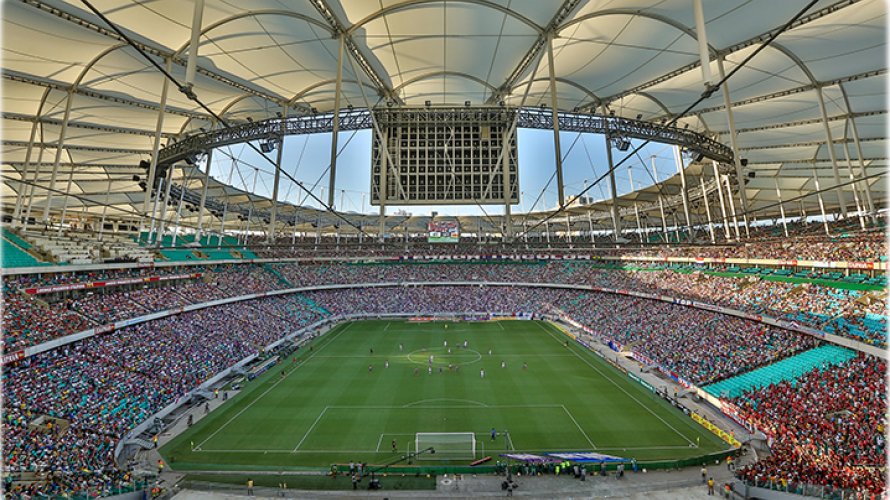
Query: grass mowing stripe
[
  {"x": 274, "y": 384},
  {"x": 588, "y": 363},
  {"x": 343, "y": 410}
]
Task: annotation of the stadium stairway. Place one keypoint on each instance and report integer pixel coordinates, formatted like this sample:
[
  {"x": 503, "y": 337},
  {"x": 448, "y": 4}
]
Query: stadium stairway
[{"x": 786, "y": 369}]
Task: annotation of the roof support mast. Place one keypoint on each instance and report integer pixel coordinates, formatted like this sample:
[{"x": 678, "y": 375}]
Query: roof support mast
[
  {"x": 341, "y": 42},
  {"x": 159, "y": 127},
  {"x": 277, "y": 179},
  {"x": 733, "y": 141},
  {"x": 60, "y": 146},
  {"x": 829, "y": 144},
  {"x": 22, "y": 187},
  {"x": 555, "y": 111}
]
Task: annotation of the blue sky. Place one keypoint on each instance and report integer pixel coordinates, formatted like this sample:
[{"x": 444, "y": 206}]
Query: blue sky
[{"x": 307, "y": 158}]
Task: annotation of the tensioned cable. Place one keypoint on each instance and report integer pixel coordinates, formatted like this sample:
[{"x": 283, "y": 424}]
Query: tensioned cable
[
  {"x": 709, "y": 91},
  {"x": 189, "y": 93}
]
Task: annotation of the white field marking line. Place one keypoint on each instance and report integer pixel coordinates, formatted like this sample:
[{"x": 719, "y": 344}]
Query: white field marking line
[
  {"x": 500, "y": 325},
  {"x": 578, "y": 426},
  {"x": 443, "y": 407},
  {"x": 423, "y": 401},
  {"x": 229, "y": 421},
  {"x": 478, "y": 438},
  {"x": 462, "y": 350},
  {"x": 385, "y": 328},
  {"x": 311, "y": 427},
  {"x": 380, "y": 441},
  {"x": 588, "y": 363}
]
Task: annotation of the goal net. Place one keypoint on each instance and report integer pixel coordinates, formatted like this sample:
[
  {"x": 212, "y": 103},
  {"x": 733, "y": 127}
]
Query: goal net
[{"x": 447, "y": 445}]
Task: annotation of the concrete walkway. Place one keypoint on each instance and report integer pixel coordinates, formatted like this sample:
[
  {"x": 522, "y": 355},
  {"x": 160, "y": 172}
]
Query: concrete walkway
[{"x": 676, "y": 485}]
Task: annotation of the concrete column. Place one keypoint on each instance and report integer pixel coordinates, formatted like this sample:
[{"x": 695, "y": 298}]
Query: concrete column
[
  {"x": 829, "y": 143},
  {"x": 684, "y": 188},
  {"x": 159, "y": 128},
  {"x": 505, "y": 172},
  {"x": 733, "y": 140},
  {"x": 821, "y": 202},
  {"x": 854, "y": 187},
  {"x": 704, "y": 195},
  {"x": 664, "y": 224},
  {"x": 735, "y": 219},
  {"x": 20, "y": 195},
  {"x": 781, "y": 207},
  {"x": 867, "y": 187},
  {"x": 208, "y": 159},
  {"x": 719, "y": 183},
  {"x": 383, "y": 190},
  {"x": 67, "y": 197},
  {"x": 277, "y": 179},
  {"x": 555, "y": 113},
  {"x": 105, "y": 208},
  {"x": 336, "y": 123},
  {"x": 616, "y": 216},
  {"x": 60, "y": 146}
]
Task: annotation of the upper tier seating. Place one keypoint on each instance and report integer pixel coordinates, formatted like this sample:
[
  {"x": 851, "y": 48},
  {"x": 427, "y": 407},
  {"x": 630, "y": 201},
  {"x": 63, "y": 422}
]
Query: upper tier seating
[{"x": 786, "y": 369}]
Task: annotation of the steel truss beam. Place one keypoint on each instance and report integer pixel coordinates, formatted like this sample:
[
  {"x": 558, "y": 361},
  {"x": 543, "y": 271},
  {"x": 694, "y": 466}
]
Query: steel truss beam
[
  {"x": 357, "y": 119},
  {"x": 84, "y": 125},
  {"x": 75, "y": 147},
  {"x": 79, "y": 90}
]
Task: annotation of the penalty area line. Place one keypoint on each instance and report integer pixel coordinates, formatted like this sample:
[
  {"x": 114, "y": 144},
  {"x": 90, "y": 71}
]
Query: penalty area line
[
  {"x": 311, "y": 427},
  {"x": 578, "y": 426}
]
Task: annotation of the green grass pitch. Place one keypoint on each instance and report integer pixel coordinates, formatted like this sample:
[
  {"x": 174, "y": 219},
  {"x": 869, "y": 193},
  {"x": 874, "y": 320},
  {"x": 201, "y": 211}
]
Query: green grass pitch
[{"x": 328, "y": 407}]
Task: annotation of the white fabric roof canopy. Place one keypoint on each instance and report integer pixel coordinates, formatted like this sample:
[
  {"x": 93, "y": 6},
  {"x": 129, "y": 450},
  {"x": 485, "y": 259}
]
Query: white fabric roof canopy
[{"x": 632, "y": 57}]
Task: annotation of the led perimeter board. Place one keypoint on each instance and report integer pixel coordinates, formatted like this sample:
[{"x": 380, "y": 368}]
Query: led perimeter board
[{"x": 444, "y": 156}]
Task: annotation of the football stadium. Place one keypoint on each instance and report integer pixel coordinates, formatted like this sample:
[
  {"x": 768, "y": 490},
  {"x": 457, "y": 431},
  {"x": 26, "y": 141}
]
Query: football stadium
[{"x": 444, "y": 249}]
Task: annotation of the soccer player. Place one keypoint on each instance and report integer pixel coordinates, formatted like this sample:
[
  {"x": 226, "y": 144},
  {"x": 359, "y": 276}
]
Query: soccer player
[
  {"x": 465, "y": 343},
  {"x": 525, "y": 366},
  {"x": 429, "y": 370},
  {"x": 394, "y": 447},
  {"x": 386, "y": 364},
  {"x": 445, "y": 344},
  {"x": 400, "y": 347},
  {"x": 503, "y": 364},
  {"x": 494, "y": 433},
  {"x": 482, "y": 373},
  {"x": 370, "y": 368}
]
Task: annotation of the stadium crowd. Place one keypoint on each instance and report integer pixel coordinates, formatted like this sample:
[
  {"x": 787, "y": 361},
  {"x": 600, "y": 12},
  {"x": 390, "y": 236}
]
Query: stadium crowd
[
  {"x": 94, "y": 391},
  {"x": 90, "y": 394},
  {"x": 827, "y": 429},
  {"x": 32, "y": 320}
]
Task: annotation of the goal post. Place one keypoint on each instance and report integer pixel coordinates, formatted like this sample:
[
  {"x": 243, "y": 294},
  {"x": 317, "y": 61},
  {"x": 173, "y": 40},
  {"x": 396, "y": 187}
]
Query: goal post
[{"x": 447, "y": 445}]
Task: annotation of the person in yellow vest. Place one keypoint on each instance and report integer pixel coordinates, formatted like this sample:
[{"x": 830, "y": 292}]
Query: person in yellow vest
[
  {"x": 710, "y": 486},
  {"x": 154, "y": 441},
  {"x": 729, "y": 462},
  {"x": 250, "y": 486},
  {"x": 160, "y": 466}
]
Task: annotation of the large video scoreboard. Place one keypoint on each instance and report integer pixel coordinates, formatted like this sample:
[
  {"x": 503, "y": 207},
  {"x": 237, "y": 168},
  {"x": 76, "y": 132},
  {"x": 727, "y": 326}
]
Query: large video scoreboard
[{"x": 444, "y": 156}]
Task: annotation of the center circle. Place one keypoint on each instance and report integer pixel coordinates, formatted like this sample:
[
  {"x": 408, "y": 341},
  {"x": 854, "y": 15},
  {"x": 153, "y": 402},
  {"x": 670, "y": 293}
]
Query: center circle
[{"x": 441, "y": 357}]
